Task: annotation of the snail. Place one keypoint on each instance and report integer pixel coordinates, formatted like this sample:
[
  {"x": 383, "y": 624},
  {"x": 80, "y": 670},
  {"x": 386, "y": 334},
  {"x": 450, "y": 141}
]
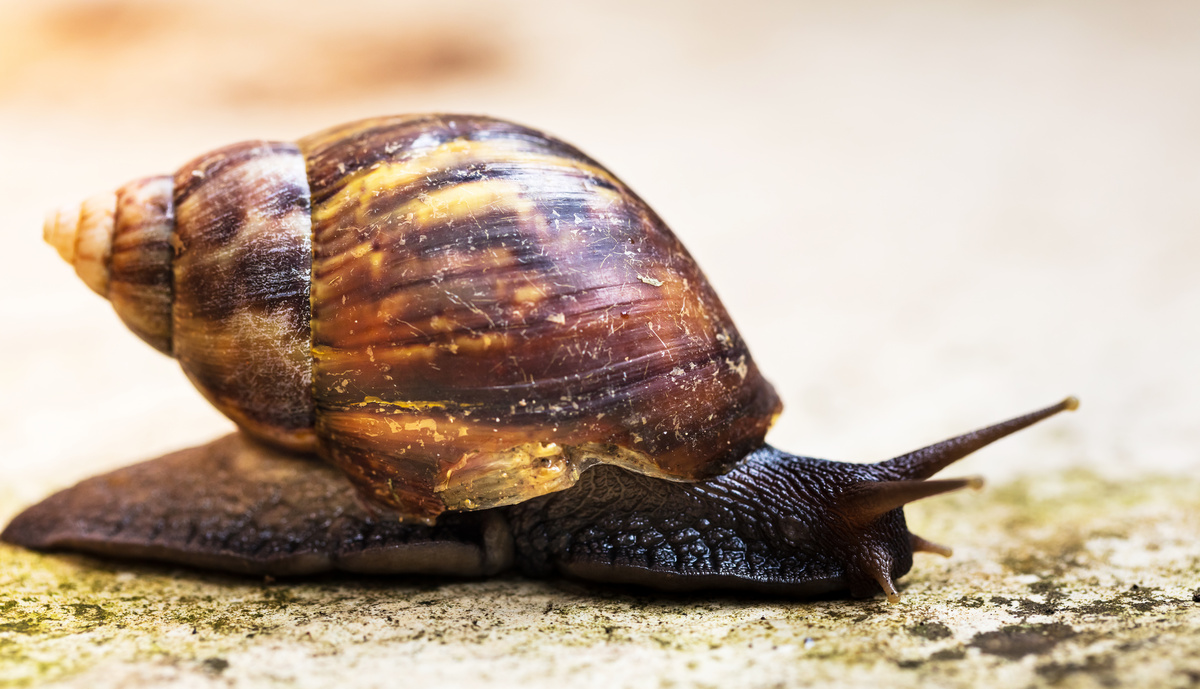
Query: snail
[{"x": 503, "y": 357}]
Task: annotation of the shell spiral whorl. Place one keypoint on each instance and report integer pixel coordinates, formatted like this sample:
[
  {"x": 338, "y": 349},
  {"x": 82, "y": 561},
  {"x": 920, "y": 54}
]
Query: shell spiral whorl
[
  {"x": 119, "y": 243},
  {"x": 457, "y": 311},
  {"x": 82, "y": 235}
]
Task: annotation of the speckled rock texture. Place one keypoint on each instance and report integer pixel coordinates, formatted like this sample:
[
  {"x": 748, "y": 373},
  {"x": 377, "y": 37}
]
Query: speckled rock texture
[
  {"x": 923, "y": 217},
  {"x": 1069, "y": 581}
]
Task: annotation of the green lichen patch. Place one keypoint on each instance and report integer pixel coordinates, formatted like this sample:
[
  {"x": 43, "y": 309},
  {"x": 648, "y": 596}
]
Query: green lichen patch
[
  {"x": 930, "y": 630},
  {"x": 1019, "y": 640},
  {"x": 1135, "y": 599},
  {"x": 1100, "y": 668},
  {"x": 1002, "y": 611}
]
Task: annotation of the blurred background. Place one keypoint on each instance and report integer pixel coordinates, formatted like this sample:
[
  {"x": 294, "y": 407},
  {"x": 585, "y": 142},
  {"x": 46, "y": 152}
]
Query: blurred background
[{"x": 923, "y": 216}]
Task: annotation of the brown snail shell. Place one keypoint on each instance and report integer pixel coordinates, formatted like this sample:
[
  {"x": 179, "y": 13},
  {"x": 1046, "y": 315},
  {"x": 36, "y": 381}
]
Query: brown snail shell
[{"x": 457, "y": 311}]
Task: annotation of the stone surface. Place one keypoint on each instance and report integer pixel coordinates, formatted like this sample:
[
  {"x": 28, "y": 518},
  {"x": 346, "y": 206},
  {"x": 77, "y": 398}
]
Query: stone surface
[{"x": 1068, "y": 580}]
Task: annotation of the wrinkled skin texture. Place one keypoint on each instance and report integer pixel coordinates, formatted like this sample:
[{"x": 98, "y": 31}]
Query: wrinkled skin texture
[
  {"x": 776, "y": 523},
  {"x": 236, "y": 505},
  {"x": 772, "y": 524}
]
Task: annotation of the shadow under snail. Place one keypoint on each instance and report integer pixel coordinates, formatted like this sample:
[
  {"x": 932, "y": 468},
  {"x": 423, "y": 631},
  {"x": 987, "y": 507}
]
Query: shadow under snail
[{"x": 503, "y": 356}]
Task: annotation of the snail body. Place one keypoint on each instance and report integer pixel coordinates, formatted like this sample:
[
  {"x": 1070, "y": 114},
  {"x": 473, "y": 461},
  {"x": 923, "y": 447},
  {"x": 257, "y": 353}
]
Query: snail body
[{"x": 500, "y": 346}]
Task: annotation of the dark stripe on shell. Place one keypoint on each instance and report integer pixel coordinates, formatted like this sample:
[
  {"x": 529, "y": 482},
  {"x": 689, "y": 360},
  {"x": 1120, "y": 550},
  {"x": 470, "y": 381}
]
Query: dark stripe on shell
[
  {"x": 140, "y": 273},
  {"x": 336, "y": 154},
  {"x": 242, "y": 273}
]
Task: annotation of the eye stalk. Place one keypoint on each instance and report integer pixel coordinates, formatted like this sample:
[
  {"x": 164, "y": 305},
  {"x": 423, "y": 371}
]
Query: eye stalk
[
  {"x": 927, "y": 461},
  {"x": 862, "y": 505}
]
